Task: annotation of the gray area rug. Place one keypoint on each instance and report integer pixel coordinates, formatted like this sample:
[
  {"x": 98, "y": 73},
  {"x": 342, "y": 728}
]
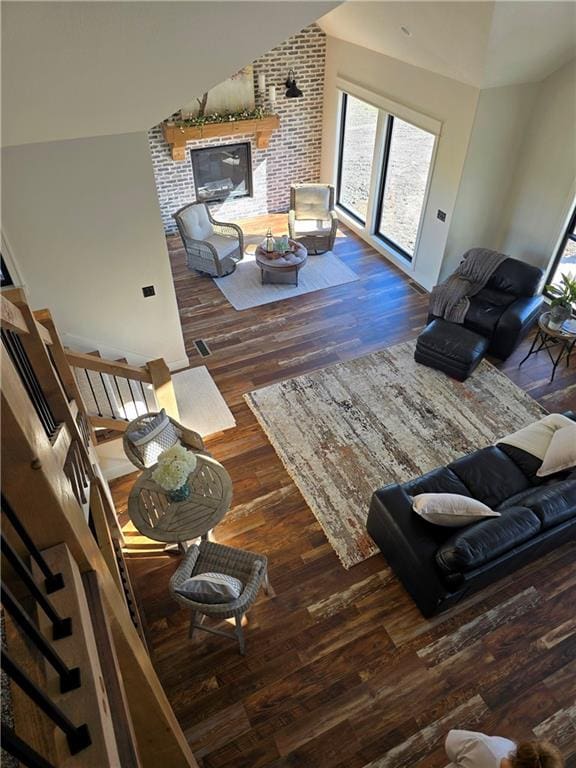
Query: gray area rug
[
  {"x": 244, "y": 289},
  {"x": 344, "y": 431}
]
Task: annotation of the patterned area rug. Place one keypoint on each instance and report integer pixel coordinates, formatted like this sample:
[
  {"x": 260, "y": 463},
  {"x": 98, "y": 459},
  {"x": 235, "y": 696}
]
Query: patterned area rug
[
  {"x": 344, "y": 431},
  {"x": 244, "y": 289}
]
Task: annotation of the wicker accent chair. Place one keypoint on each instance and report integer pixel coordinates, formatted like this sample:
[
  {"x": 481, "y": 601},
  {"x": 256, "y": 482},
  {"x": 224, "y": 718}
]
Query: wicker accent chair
[
  {"x": 186, "y": 437},
  {"x": 312, "y": 219},
  {"x": 206, "y": 557},
  {"x": 212, "y": 247}
]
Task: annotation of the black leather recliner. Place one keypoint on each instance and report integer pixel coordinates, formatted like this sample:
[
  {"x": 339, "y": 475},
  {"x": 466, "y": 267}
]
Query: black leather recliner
[
  {"x": 504, "y": 310},
  {"x": 439, "y": 566}
]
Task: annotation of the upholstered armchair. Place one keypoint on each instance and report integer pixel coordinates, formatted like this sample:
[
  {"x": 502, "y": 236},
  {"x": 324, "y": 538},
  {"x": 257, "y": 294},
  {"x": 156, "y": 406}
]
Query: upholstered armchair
[
  {"x": 507, "y": 307},
  {"x": 312, "y": 220},
  {"x": 212, "y": 247}
]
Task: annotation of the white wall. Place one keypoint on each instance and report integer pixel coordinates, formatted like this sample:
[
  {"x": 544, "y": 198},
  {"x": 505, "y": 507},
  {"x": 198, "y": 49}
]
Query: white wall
[
  {"x": 493, "y": 155},
  {"x": 439, "y": 97},
  {"x": 80, "y": 69},
  {"x": 84, "y": 227},
  {"x": 544, "y": 185}
]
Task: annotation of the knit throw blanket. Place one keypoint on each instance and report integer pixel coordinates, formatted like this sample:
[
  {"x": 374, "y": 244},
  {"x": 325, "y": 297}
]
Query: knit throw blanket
[{"x": 451, "y": 299}]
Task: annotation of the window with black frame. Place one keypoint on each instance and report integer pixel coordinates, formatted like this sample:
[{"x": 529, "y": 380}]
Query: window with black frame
[
  {"x": 401, "y": 179},
  {"x": 565, "y": 261},
  {"x": 407, "y": 160},
  {"x": 5, "y": 278},
  {"x": 358, "y": 121}
]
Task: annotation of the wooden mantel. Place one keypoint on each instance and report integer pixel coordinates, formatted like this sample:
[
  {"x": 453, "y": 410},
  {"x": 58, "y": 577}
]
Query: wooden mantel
[{"x": 177, "y": 136}]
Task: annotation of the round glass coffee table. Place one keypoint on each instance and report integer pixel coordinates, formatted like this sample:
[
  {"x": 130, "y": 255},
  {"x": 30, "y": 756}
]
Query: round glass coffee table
[
  {"x": 281, "y": 267},
  {"x": 551, "y": 338}
]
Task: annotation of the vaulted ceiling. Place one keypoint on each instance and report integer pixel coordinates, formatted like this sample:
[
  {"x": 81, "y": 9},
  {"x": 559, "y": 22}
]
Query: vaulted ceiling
[
  {"x": 78, "y": 69},
  {"x": 485, "y": 44}
]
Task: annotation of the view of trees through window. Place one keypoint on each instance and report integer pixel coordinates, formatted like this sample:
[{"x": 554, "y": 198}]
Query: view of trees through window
[
  {"x": 358, "y": 128},
  {"x": 402, "y": 178}
]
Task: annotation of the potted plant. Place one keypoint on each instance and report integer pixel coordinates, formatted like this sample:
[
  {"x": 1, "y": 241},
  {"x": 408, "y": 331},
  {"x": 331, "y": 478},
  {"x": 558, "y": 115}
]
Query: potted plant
[
  {"x": 563, "y": 300},
  {"x": 174, "y": 466}
]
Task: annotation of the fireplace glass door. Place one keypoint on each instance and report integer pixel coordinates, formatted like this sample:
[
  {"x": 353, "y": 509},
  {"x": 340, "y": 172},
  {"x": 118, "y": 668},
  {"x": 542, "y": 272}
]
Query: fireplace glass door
[{"x": 222, "y": 172}]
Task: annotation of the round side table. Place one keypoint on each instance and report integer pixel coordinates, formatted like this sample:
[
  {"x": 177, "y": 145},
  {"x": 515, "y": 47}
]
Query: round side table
[
  {"x": 548, "y": 339},
  {"x": 276, "y": 268},
  {"x": 158, "y": 518}
]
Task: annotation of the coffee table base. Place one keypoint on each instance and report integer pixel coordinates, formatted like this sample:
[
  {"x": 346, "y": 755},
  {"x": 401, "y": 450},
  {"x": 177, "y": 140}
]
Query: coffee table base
[{"x": 280, "y": 277}]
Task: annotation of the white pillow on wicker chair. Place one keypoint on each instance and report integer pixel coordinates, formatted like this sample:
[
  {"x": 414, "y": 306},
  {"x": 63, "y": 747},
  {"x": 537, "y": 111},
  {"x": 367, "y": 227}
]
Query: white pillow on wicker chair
[
  {"x": 211, "y": 588},
  {"x": 153, "y": 438}
]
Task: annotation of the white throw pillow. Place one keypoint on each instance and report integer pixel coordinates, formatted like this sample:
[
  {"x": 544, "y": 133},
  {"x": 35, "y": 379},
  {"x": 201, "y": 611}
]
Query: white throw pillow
[
  {"x": 535, "y": 438},
  {"x": 211, "y": 588},
  {"x": 450, "y": 509},
  {"x": 561, "y": 453}
]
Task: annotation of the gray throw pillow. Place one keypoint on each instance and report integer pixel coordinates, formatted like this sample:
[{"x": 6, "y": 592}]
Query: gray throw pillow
[
  {"x": 211, "y": 588},
  {"x": 153, "y": 438}
]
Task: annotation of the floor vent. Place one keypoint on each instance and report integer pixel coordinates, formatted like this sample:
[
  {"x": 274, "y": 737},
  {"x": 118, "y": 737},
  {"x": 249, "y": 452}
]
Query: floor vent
[
  {"x": 417, "y": 288},
  {"x": 202, "y": 347}
]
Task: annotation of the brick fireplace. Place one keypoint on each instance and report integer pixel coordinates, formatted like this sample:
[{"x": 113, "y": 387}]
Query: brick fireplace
[{"x": 293, "y": 154}]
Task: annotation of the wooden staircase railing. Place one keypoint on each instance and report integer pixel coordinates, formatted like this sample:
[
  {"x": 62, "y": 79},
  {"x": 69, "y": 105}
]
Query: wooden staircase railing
[
  {"x": 115, "y": 392},
  {"x": 65, "y": 585}
]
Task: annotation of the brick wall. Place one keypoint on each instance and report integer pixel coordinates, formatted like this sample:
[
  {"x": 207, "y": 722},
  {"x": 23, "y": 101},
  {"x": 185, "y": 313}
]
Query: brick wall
[{"x": 294, "y": 151}]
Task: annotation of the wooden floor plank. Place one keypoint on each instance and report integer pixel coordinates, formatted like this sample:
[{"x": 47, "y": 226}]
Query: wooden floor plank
[{"x": 341, "y": 669}]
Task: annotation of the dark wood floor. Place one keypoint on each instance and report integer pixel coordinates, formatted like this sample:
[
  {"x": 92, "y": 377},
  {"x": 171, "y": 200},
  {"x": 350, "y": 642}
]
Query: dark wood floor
[{"x": 341, "y": 669}]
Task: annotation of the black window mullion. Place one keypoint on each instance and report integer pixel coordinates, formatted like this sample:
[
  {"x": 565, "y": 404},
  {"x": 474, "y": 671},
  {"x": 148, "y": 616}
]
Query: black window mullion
[{"x": 569, "y": 235}]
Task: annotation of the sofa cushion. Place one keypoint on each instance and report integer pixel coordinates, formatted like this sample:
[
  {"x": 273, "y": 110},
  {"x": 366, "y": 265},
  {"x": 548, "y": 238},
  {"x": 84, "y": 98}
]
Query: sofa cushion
[
  {"x": 525, "y": 461},
  {"x": 483, "y": 314},
  {"x": 479, "y": 543},
  {"x": 536, "y": 437},
  {"x": 490, "y": 475},
  {"x": 441, "y": 480},
  {"x": 552, "y": 504},
  {"x": 196, "y": 222},
  {"x": 516, "y": 277},
  {"x": 561, "y": 453}
]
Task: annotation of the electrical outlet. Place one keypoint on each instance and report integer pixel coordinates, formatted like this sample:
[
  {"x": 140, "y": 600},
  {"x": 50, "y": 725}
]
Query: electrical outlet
[
  {"x": 148, "y": 290},
  {"x": 441, "y": 215}
]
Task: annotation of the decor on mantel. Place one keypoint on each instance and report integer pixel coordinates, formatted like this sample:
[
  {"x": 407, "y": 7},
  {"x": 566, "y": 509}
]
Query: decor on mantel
[
  {"x": 292, "y": 90},
  {"x": 178, "y": 132}
]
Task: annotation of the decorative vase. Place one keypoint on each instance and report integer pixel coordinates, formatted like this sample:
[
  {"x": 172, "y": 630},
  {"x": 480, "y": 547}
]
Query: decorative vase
[
  {"x": 558, "y": 314},
  {"x": 180, "y": 494}
]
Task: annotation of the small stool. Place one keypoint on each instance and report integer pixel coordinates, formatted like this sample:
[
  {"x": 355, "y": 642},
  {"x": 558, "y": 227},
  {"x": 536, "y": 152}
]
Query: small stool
[{"x": 450, "y": 348}]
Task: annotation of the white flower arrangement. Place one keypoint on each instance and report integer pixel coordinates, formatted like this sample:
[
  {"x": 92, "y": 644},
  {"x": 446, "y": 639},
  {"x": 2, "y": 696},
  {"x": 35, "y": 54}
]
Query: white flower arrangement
[{"x": 174, "y": 466}]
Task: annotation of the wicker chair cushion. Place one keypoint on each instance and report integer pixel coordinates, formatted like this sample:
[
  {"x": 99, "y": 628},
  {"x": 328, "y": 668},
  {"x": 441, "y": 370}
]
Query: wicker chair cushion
[
  {"x": 211, "y": 588},
  {"x": 312, "y": 201},
  {"x": 224, "y": 245},
  {"x": 196, "y": 222},
  {"x": 313, "y": 227},
  {"x": 154, "y": 437}
]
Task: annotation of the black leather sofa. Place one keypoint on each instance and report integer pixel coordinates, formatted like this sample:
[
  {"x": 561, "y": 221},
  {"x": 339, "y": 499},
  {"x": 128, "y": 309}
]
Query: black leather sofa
[
  {"x": 505, "y": 309},
  {"x": 439, "y": 566}
]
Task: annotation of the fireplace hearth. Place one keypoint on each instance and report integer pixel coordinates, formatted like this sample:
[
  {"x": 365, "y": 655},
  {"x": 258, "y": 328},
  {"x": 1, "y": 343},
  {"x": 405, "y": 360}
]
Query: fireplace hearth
[{"x": 222, "y": 172}]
